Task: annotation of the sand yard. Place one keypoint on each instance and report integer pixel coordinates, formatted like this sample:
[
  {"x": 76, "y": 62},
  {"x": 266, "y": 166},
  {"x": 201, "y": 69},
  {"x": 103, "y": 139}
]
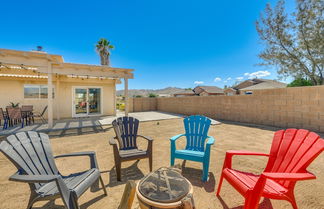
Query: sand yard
[{"x": 309, "y": 194}]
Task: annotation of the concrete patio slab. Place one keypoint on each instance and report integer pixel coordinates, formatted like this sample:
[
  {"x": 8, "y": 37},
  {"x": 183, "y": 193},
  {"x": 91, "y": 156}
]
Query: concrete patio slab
[
  {"x": 143, "y": 116},
  {"x": 81, "y": 123}
]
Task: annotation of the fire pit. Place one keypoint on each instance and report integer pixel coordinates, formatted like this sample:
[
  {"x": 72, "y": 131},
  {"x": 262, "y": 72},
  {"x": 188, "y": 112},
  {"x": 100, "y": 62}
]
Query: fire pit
[{"x": 163, "y": 188}]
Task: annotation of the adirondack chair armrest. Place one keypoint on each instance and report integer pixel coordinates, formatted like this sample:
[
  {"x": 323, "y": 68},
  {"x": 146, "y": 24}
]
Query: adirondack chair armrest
[
  {"x": 210, "y": 140},
  {"x": 145, "y": 137},
  {"x": 77, "y": 154},
  {"x": 243, "y": 152},
  {"x": 33, "y": 178},
  {"x": 231, "y": 153},
  {"x": 289, "y": 176},
  {"x": 63, "y": 189},
  {"x": 174, "y": 138},
  {"x": 112, "y": 141},
  {"x": 92, "y": 156}
]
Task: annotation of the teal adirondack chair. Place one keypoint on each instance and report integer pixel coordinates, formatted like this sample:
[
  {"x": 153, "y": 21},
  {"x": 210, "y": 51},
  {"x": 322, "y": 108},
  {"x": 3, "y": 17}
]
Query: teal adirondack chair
[{"x": 196, "y": 127}]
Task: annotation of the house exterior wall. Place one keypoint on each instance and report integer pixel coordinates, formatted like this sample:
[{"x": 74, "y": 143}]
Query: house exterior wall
[
  {"x": 12, "y": 90},
  {"x": 229, "y": 92},
  {"x": 298, "y": 107}
]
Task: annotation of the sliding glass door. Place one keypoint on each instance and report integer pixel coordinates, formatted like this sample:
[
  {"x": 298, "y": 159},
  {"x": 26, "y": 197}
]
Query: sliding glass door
[{"x": 86, "y": 101}]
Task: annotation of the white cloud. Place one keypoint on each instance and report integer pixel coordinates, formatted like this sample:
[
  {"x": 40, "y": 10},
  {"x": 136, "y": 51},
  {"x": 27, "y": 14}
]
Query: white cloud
[
  {"x": 198, "y": 82},
  {"x": 229, "y": 78},
  {"x": 217, "y": 79},
  {"x": 258, "y": 74},
  {"x": 239, "y": 78}
]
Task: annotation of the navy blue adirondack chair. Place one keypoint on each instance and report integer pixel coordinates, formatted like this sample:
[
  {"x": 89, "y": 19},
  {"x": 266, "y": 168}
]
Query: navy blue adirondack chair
[{"x": 196, "y": 127}]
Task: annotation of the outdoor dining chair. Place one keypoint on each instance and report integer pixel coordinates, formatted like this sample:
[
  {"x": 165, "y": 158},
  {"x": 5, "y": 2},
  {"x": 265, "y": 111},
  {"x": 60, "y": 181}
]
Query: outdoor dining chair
[
  {"x": 28, "y": 110},
  {"x": 15, "y": 116},
  {"x": 32, "y": 155},
  {"x": 40, "y": 115},
  {"x": 292, "y": 151},
  {"x": 196, "y": 127},
  {"x": 4, "y": 118},
  {"x": 126, "y": 135}
]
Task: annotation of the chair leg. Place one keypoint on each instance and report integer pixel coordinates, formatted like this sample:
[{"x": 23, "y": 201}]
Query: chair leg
[
  {"x": 5, "y": 124},
  {"x": 252, "y": 200},
  {"x": 293, "y": 203},
  {"x": 220, "y": 184},
  {"x": 74, "y": 203},
  {"x": 31, "y": 201},
  {"x": 172, "y": 160},
  {"x": 118, "y": 170},
  {"x": 205, "y": 171},
  {"x": 103, "y": 186},
  {"x": 150, "y": 163}
]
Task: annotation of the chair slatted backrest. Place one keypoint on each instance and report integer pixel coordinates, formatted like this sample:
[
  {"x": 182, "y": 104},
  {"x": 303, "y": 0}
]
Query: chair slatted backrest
[
  {"x": 31, "y": 153},
  {"x": 27, "y": 108},
  {"x": 126, "y": 132},
  {"x": 2, "y": 117},
  {"x": 196, "y": 127},
  {"x": 14, "y": 113},
  {"x": 44, "y": 110},
  {"x": 292, "y": 151}
]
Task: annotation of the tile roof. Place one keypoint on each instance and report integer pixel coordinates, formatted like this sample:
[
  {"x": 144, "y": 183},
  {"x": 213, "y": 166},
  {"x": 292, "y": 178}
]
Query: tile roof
[
  {"x": 187, "y": 91},
  {"x": 266, "y": 84},
  {"x": 211, "y": 89}
]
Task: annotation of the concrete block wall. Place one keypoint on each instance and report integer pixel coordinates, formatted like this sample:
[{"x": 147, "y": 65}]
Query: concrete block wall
[{"x": 298, "y": 107}]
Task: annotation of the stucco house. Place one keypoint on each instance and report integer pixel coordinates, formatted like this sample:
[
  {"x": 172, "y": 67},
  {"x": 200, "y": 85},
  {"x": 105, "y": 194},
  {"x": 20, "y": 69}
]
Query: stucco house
[
  {"x": 248, "y": 86},
  {"x": 208, "y": 90},
  {"x": 200, "y": 91},
  {"x": 78, "y": 90}
]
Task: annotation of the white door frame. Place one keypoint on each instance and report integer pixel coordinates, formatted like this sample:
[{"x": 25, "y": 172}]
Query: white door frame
[{"x": 74, "y": 115}]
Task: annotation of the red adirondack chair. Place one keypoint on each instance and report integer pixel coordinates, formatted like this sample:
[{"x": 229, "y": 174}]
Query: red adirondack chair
[{"x": 291, "y": 152}]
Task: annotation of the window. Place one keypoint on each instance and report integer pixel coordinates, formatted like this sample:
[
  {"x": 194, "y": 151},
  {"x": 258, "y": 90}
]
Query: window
[{"x": 36, "y": 92}]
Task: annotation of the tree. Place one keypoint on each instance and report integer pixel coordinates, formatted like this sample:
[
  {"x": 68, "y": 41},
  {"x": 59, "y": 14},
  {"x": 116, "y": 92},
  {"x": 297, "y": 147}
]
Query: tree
[
  {"x": 152, "y": 95},
  {"x": 103, "y": 48},
  {"x": 294, "y": 43},
  {"x": 300, "y": 82}
]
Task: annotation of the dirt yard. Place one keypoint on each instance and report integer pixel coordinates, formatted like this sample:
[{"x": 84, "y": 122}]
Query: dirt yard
[{"x": 309, "y": 194}]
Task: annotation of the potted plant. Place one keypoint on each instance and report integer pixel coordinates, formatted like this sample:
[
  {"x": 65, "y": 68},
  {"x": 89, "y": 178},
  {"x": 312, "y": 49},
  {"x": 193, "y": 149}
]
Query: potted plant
[{"x": 14, "y": 105}]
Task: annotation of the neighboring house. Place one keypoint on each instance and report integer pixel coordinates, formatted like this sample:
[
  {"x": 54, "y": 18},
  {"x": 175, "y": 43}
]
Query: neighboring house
[
  {"x": 208, "y": 90},
  {"x": 78, "y": 90},
  {"x": 230, "y": 91},
  {"x": 248, "y": 86},
  {"x": 184, "y": 93},
  {"x": 200, "y": 91}
]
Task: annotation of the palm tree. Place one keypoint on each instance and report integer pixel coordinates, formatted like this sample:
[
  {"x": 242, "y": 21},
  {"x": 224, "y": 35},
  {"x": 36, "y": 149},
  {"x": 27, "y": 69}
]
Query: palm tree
[{"x": 103, "y": 49}]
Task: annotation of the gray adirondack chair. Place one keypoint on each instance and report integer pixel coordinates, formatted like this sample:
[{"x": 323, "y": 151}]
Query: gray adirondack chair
[
  {"x": 126, "y": 135},
  {"x": 32, "y": 155}
]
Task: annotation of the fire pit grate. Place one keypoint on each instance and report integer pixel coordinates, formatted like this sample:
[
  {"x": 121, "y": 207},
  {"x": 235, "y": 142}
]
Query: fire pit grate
[{"x": 164, "y": 185}]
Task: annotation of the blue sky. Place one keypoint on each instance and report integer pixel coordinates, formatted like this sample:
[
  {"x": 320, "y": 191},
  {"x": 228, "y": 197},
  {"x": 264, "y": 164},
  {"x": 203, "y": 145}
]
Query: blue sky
[{"x": 169, "y": 43}]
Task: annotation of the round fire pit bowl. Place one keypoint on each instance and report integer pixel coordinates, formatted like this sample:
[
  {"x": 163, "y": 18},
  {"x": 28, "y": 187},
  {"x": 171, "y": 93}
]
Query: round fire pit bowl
[{"x": 163, "y": 188}]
